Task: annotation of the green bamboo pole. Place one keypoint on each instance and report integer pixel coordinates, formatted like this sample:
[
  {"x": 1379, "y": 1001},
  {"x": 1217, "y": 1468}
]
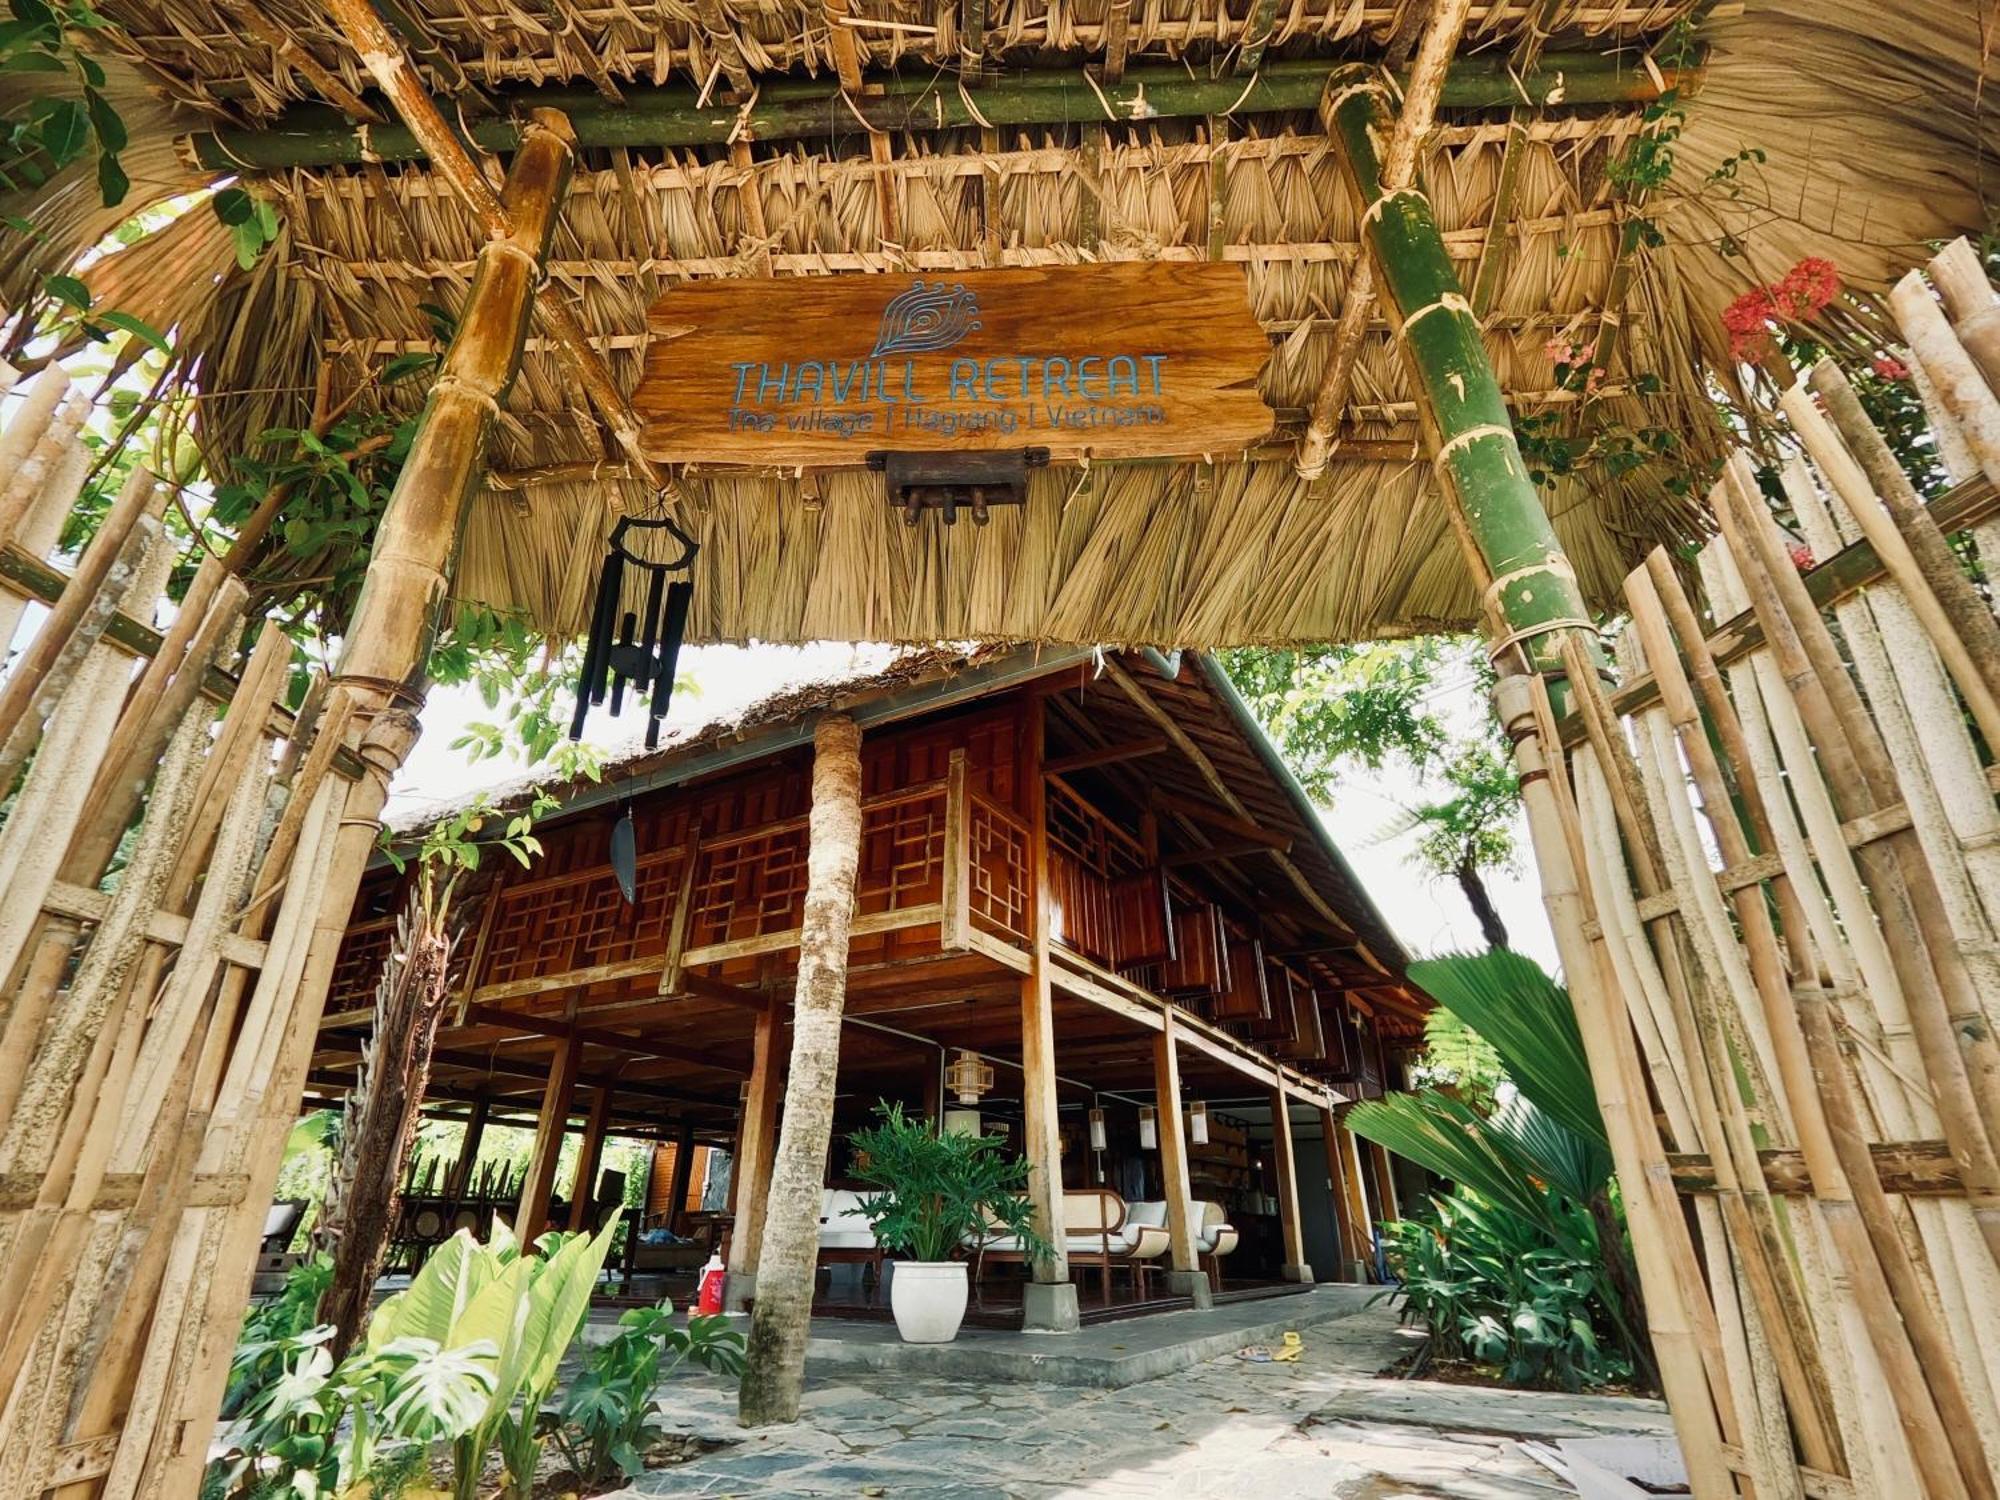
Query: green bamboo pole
[
  {"x": 1534, "y": 596},
  {"x": 802, "y": 110}
]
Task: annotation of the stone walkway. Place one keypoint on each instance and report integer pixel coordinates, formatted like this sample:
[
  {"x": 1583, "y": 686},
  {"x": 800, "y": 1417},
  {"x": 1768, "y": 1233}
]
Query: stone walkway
[{"x": 1224, "y": 1430}]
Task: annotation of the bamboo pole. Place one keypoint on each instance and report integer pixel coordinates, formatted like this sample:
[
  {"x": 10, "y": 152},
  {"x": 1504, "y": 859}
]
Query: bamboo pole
[
  {"x": 103, "y": 575},
  {"x": 185, "y": 1363},
  {"x": 1915, "y": 1351},
  {"x": 775, "y": 1359},
  {"x": 1533, "y": 592},
  {"x": 31, "y": 422},
  {"x": 1651, "y": 1209},
  {"x": 1907, "y": 687},
  {"x": 387, "y": 62},
  {"x": 1426, "y": 83},
  {"x": 890, "y": 103},
  {"x": 1960, "y": 1054},
  {"x": 1896, "y": 522}
]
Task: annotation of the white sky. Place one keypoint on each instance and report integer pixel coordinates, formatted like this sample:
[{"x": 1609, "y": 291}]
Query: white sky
[{"x": 1429, "y": 915}]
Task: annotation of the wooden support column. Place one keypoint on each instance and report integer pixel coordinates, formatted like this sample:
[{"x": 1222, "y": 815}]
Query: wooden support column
[
  {"x": 775, "y": 1358},
  {"x": 1336, "y": 1188},
  {"x": 1049, "y": 1300},
  {"x": 1385, "y": 1181},
  {"x": 1284, "y": 1162},
  {"x": 750, "y": 1170},
  {"x": 681, "y": 1179},
  {"x": 583, "y": 1191},
  {"x": 468, "y": 1149},
  {"x": 1186, "y": 1278},
  {"x": 551, "y": 1125}
]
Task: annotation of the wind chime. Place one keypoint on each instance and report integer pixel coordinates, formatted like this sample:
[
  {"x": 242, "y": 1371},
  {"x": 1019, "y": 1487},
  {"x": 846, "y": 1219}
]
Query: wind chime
[{"x": 636, "y": 649}]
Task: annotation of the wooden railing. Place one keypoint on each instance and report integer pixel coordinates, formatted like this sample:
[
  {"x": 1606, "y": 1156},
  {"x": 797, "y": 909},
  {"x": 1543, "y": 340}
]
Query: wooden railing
[{"x": 936, "y": 854}]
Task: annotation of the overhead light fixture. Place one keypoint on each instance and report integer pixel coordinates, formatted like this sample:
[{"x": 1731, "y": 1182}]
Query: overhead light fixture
[
  {"x": 1149, "y": 1129},
  {"x": 1198, "y": 1123},
  {"x": 1097, "y": 1138},
  {"x": 968, "y": 1077}
]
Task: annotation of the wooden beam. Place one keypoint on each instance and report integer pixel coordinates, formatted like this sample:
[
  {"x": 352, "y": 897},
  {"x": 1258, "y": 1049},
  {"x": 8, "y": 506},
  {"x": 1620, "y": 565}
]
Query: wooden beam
[
  {"x": 1227, "y": 849},
  {"x": 1105, "y": 755},
  {"x": 551, "y": 1125},
  {"x": 1228, "y": 798},
  {"x": 1195, "y": 812},
  {"x": 701, "y": 986},
  {"x": 599, "y": 1036},
  {"x": 583, "y": 1192},
  {"x": 468, "y": 1149},
  {"x": 1284, "y": 1163},
  {"x": 1173, "y": 1149}
]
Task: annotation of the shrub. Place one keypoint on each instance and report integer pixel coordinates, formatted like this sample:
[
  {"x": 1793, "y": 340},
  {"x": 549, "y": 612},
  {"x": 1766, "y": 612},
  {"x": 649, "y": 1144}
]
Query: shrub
[
  {"x": 1493, "y": 1288},
  {"x": 606, "y": 1416}
]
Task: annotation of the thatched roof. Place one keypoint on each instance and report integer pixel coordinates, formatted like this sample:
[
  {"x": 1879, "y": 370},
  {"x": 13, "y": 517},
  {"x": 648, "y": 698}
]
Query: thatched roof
[{"x": 1874, "y": 135}]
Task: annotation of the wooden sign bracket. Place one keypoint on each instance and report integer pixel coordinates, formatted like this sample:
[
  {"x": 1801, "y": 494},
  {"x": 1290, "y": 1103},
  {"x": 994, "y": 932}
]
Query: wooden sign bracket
[{"x": 948, "y": 482}]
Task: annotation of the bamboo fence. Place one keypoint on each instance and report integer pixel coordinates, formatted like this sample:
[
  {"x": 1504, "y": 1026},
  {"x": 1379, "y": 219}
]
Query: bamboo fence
[
  {"x": 1772, "y": 860},
  {"x": 163, "y": 878}
]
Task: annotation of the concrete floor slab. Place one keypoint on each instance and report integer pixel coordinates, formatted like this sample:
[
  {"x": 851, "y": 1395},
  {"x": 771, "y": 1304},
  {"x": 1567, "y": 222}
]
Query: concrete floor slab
[{"x": 1104, "y": 1356}]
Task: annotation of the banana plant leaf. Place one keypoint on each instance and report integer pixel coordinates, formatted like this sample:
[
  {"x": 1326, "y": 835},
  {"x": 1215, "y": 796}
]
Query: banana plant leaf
[{"x": 1528, "y": 1019}]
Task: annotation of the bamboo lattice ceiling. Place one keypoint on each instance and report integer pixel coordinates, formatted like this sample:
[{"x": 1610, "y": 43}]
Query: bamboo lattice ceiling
[{"x": 1237, "y": 550}]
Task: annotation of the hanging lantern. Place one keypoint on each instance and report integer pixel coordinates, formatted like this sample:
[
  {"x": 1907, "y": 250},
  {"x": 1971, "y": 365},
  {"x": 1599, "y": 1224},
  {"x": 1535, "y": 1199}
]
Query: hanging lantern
[
  {"x": 1198, "y": 1123},
  {"x": 962, "y": 1122},
  {"x": 968, "y": 1077},
  {"x": 1097, "y": 1140},
  {"x": 1149, "y": 1129},
  {"x": 630, "y": 649}
]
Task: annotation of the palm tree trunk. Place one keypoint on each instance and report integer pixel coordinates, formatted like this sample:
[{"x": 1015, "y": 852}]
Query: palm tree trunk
[
  {"x": 1473, "y": 885},
  {"x": 379, "y": 1123},
  {"x": 774, "y": 1370}
]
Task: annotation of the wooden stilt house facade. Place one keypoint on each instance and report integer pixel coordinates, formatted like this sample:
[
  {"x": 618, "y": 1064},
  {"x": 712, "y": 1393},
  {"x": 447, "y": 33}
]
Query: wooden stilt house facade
[{"x": 1205, "y": 942}]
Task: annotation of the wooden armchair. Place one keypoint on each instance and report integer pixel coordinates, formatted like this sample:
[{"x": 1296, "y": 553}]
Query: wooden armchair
[{"x": 1097, "y": 1231}]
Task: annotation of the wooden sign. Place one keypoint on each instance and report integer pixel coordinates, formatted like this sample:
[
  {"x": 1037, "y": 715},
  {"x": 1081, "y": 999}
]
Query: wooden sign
[{"x": 1118, "y": 360}]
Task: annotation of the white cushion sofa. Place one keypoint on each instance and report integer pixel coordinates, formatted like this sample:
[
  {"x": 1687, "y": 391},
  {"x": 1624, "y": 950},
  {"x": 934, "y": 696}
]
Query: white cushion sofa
[
  {"x": 1214, "y": 1237},
  {"x": 1099, "y": 1229}
]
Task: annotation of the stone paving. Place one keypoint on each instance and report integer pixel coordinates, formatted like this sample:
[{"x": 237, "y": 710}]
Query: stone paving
[{"x": 1325, "y": 1426}]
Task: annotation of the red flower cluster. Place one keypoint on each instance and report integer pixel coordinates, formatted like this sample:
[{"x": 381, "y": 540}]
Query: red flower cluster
[
  {"x": 1891, "y": 368},
  {"x": 1792, "y": 298},
  {"x": 1801, "y": 556}
]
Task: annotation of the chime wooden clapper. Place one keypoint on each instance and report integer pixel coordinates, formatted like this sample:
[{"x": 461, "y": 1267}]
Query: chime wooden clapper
[{"x": 635, "y": 649}]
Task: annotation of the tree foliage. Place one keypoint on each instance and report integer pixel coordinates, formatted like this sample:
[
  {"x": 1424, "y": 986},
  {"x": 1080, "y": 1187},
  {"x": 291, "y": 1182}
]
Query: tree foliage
[{"x": 1332, "y": 708}]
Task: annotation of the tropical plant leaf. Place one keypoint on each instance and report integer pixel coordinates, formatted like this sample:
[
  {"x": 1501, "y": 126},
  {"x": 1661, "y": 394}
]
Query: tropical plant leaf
[{"x": 1528, "y": 1018}]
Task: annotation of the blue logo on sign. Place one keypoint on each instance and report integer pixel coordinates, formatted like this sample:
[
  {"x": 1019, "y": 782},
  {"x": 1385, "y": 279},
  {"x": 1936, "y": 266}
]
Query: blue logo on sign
[{"x": 925, "y": 319}]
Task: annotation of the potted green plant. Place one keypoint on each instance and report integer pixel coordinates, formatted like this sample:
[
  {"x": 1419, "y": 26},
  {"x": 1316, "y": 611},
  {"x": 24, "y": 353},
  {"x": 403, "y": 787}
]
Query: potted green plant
[{"x": 939, "y": 1192}]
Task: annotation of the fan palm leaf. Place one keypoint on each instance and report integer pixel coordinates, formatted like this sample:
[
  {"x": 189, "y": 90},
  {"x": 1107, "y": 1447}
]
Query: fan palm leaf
[{"x": 1527, "y": 1017}]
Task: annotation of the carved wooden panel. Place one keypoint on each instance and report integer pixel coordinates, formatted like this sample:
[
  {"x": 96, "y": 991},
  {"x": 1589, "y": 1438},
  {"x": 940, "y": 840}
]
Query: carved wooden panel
[{"x": 999, "y": 874}]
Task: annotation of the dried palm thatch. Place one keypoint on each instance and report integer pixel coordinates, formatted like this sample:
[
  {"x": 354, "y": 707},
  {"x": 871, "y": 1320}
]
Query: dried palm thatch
[{"x": 1870, "y": 151}]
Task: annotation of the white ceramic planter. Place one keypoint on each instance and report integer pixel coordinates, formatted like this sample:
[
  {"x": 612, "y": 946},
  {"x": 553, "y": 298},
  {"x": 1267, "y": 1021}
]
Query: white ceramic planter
[{"x": 928, "y": 1299}]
